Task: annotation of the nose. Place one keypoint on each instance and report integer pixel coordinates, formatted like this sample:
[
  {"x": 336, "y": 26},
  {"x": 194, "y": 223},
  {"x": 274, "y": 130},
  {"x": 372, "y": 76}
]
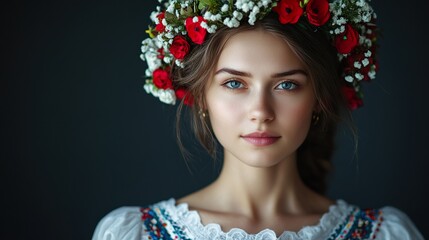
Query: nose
[{"x": 261, "y": 108}]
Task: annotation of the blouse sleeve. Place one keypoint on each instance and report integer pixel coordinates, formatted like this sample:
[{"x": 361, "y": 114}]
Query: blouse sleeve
[
  {"x": 122, "y": 223},
  {"x": 397, "y": 225}
]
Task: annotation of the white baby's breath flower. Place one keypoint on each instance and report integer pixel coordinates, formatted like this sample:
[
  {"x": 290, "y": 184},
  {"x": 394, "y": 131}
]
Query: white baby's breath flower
[
  {"x": 366, "y": 17},
  {"x": 348, "y": 78},
  {"x": 225, "y": 8},
  {"x": 204, "y": 25},
  {"x": 148, "y": 73},
  {"x": 357, "y": 65},
  {"x": 255, "y": 10},
  {"x": 147, "y": 87},
  {"x": 245, "y": 7},
  {"x": 371, "y": 74},
  {"x": 368, "y": 42},
  {"x": 368, "y": 53},
  {"x": 226, "y": 21},
  {"x": 167, "y": 96},
  {"x": 207, "y": 15},
  {"x": 238, "y": 4},
  {"x": 179, "y": 63},
  {"x": 365, "y": 62},
  {"x": 167, "y": 59},
  {"x": 152, "y": 60},
  {"x": 147, "y": 44},
  {"x": 212, "y": 29},
  {"x": 195, "y": 19},
  {"x": 361, "y": 39},
  {"x": 252, "y": 19},
  {"x": 237, "y": 15},
  {"x": 265, "y": 3},
  {"x": 153, "y": 90},
  {"x": 251, "y": 5},
  {"x": 170, "y": 8},
  {"x": 341, "y": 21},
  {"x": 334, "y": 20},
  {"x": 360, "y": 3},
  {"x": 169, "y": 35},
  {"x": 235, "y": 23},
  {"x": 359, "y": 76},
  {"x": 153, "y": 17}
]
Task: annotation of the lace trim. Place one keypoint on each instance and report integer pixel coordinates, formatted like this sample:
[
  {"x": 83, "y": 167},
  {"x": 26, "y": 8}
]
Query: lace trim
[{"x": 191, "y": 222}]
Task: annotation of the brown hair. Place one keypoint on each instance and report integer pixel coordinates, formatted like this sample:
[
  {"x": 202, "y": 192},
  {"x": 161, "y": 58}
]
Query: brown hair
[{"x": 319, "y": 57}]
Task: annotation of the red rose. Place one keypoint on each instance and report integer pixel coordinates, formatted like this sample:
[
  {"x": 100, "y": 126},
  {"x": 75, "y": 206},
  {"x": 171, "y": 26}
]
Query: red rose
[
  {"x": 194, "y": 29},
  {"x": 160, "y": 27},
  {"x": 161, "y": 79},
  {"x": 180, "y": 47},
  {"x": 318, "y": 12},
  {"x": 289, "y": 11},
  {"x": 183, "y": 93},
  {"x": 353, "y": 100},
  {"x": 346, "y": 41}
]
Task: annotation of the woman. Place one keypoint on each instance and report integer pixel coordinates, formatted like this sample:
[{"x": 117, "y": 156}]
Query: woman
[{"x": 267, "y": 83}]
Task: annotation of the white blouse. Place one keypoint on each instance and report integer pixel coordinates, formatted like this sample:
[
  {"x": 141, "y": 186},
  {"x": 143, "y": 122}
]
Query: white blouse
[{"x": 166, "y": 220}]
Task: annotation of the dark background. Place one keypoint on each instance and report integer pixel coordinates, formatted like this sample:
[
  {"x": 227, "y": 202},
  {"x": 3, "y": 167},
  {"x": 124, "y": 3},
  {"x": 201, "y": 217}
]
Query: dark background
[{"x": 80, "y": 136}]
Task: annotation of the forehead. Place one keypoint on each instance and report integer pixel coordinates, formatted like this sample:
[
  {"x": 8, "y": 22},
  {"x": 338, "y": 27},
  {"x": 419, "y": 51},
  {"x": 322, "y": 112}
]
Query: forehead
[{"x": 258, "y": 49}]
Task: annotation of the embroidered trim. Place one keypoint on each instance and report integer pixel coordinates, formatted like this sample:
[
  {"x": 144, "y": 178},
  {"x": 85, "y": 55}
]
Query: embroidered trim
[
  {"x": 361, "y": 224},
  {"x": 159, "y": 225},
  {"x": 167, "y": 221}
]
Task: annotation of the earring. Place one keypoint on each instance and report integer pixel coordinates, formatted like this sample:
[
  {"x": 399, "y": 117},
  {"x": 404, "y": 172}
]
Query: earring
[
  {"x": 315, "y": 119},
  {"x": 201, "y": 113}
]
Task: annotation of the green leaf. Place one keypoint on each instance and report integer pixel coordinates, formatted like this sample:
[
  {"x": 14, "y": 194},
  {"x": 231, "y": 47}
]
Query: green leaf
[
  {"x": 188, "y": 12},
  {"x": 204, "y": 4},
  {"x": 169, "y": 17},
  {"x": 210, "y": 5}
]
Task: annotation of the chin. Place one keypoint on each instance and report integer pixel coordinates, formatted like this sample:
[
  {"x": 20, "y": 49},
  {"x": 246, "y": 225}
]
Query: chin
[{"x": 264, "y": 160}]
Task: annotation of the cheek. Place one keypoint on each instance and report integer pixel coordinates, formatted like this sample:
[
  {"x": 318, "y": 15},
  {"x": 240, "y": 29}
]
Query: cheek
[
  {"x": 223, "y": 112},
  {"x": 297, "y": 118},
  {"x": 302, "y": 114}
]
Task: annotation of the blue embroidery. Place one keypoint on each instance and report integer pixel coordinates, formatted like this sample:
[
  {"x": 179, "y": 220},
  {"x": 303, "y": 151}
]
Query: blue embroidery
[
  {"x": 360, "y": 224},
  {"x": 159, "y": 225}
]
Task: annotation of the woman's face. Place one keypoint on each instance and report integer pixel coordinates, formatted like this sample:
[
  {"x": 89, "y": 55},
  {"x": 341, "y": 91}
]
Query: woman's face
[{"x": 260, "y": 99}]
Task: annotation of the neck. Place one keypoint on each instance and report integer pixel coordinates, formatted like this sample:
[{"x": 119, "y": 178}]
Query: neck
[{"x": 254, "y": 191}]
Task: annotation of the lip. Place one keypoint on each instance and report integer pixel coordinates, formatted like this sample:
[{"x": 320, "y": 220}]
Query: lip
[{"x": 260, "y": 138}]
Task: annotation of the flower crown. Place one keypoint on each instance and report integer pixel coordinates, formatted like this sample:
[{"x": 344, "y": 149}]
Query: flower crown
[{"x": 350, "y": 25}]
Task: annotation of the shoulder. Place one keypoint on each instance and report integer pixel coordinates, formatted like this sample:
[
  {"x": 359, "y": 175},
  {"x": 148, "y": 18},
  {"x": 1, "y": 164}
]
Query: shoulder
[
  {"x": 122, "y": 223},
  {"x": 161, "y": 220},
  {"x": 397, "y": 225},
  {"x": 371, "y": 223}
]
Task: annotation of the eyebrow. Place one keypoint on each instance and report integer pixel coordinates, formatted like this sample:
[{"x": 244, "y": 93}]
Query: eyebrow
[{"x": 246, "y": 74}]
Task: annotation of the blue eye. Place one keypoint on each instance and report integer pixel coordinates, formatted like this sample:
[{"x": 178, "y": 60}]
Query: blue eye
[
  {"x": 287, "y": 86},
  {"x": 233, "y": 84}
]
